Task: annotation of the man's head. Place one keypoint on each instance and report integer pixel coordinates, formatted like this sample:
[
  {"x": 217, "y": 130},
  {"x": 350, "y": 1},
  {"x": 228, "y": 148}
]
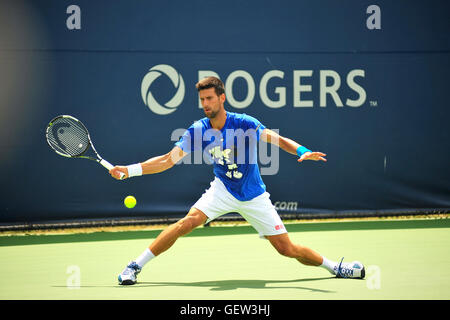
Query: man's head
[{"x": 212, "y": 95}]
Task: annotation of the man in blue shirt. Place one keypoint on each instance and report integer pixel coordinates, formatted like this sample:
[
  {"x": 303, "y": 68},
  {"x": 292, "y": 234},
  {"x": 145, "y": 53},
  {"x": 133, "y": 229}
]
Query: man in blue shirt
[
  {"x": 233, "y": 150},
  {"x": 230, "y": 141}
]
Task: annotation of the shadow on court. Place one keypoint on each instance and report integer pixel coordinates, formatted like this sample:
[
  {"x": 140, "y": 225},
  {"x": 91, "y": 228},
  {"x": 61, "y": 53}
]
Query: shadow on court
[{"x": 224, "y": 285}]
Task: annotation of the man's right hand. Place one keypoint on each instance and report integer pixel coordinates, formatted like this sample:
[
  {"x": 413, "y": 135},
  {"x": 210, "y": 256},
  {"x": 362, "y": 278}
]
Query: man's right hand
[{"x": 115, "y": 172}]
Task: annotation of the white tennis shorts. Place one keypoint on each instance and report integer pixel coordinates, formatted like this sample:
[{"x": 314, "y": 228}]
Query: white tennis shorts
[{"x": 259, "y": 211}]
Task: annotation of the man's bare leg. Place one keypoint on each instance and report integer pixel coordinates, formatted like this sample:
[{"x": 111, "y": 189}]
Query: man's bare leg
[
  {"x": 164, "y": 241},
  {"x": 283, "y": 244},
  {"x": 168, "y": 236},
  {"x": 286, "y": 247}
]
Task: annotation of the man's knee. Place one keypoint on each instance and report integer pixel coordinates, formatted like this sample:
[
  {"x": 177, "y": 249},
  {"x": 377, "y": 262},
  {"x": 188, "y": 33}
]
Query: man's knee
[
  {"x": 284, "y": 246},
  {"x": 285, "y": 249},
  {"x": 190, "y": 222},
  {"x": 185, "y": 225}
]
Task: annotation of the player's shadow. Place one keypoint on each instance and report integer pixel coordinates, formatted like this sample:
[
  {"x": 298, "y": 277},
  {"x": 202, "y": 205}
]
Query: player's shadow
[{"x": 224, "y": 285}]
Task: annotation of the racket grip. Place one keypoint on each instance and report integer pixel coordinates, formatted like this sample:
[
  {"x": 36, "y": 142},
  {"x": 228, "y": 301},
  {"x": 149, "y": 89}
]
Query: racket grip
[{"x": 109, "y": 166}]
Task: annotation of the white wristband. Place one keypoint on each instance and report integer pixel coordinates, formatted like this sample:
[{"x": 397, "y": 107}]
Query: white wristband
[{"x": 134, "y": 170}]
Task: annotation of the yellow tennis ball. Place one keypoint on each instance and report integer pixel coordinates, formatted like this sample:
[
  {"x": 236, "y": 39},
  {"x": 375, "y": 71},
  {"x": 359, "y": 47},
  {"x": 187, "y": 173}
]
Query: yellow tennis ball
[{"x": 130, "y": 202}]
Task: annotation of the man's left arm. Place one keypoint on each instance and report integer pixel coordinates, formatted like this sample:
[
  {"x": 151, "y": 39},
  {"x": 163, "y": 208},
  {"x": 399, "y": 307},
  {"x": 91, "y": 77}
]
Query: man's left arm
[{"x": 291, "y": 146}]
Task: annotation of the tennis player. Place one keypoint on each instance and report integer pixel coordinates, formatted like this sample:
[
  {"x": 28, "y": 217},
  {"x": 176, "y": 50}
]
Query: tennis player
[{"x": 229, "y": 139}]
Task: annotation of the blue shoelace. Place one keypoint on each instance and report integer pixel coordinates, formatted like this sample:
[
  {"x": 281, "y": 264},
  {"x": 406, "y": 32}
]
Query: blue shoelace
[{"x": 344, "y": 272}]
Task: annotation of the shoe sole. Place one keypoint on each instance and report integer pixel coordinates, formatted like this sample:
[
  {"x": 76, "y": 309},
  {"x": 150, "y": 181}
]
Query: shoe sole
[{"x": 127, "y": 282}]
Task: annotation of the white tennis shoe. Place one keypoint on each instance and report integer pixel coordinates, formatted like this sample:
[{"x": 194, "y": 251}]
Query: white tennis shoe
[
  {"x": 354, "y": 270},
  {"x": 128, "y": 275}
]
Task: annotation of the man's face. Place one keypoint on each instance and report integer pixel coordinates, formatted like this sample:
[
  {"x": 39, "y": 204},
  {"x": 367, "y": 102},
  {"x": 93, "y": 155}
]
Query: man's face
[{"x": 211, "y": 102}]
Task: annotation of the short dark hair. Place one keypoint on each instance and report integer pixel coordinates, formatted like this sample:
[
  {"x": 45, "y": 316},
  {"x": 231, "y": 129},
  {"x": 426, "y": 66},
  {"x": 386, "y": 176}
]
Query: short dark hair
[{"x": 211, "y": 82}]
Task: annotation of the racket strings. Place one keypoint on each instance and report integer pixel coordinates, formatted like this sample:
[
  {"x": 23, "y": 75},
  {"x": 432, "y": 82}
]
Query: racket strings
[{"x": 68, "y": 136}]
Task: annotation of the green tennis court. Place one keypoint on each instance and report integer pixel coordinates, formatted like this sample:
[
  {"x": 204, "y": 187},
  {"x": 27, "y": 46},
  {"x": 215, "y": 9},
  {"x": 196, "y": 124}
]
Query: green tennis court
[{"x": 405, "y": 259}]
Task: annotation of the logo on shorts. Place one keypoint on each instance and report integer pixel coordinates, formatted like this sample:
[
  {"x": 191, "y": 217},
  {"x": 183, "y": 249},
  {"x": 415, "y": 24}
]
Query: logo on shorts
[
  {"x": 178, "y": 82},
  {"x": 279, "y": 227}
]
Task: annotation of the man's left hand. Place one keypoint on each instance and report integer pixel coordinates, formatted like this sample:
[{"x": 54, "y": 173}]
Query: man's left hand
[{"x": 316, "y": 156}]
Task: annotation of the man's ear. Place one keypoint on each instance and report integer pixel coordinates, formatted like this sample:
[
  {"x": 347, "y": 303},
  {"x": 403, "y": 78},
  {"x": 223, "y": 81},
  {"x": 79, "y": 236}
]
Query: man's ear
[{"x": 222, "y": 98}]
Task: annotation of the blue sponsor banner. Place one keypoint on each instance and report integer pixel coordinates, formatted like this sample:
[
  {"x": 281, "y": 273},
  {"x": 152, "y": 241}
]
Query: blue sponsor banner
[{"x": 374, "y": 100}]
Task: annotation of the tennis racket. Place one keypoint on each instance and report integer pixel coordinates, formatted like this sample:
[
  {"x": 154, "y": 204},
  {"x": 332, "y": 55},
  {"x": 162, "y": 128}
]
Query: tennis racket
[{"x": 68, "y": 137}]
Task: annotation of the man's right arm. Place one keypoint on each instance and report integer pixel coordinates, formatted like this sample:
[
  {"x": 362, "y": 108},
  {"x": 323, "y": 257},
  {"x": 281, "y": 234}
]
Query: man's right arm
[{"x": 152, "y": 165}]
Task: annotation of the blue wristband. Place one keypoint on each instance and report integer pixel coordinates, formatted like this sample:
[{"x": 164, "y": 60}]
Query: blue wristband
[{"x": 301, "y": 150}]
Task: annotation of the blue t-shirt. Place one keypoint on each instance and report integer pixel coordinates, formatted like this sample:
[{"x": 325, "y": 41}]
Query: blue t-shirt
[{"x": 232, "y": 150}]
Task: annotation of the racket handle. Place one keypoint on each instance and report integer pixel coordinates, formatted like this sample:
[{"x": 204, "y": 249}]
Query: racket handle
[{"x": 109, "y": 166}]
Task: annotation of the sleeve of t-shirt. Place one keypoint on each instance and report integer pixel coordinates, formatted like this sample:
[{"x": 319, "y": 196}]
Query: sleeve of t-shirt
[
  {"x": 191, "y": 140},
  {"x": 255, "y": 124}
]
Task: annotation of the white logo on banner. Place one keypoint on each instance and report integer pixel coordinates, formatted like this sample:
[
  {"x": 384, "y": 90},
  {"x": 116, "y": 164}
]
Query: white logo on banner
[
  {"x": 177, "y": 80},
  {"x": 304, "y": 82}
]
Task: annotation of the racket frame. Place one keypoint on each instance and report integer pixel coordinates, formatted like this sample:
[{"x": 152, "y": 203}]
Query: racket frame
[{"x": 98, "y": 158}]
